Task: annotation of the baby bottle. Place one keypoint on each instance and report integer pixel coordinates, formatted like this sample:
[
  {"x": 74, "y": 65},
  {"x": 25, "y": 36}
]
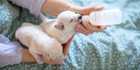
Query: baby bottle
[{"x": 106, "y": 17}]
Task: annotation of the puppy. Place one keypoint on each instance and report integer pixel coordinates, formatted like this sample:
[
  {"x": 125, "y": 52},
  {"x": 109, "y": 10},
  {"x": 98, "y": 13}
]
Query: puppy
[
  {"x": 42, "y": 39},
  {"x": 63, "y": 28}
]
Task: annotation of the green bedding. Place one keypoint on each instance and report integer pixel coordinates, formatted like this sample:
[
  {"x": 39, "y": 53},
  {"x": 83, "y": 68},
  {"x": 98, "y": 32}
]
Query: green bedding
[{"x": 116, "y": 48}]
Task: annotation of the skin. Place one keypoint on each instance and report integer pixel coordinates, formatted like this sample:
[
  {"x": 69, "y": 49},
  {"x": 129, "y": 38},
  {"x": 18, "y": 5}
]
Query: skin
[{"x": 54, "y": 7}]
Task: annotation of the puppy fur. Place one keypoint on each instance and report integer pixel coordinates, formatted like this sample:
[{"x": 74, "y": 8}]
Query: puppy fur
[{"x": 42, "y": 39}]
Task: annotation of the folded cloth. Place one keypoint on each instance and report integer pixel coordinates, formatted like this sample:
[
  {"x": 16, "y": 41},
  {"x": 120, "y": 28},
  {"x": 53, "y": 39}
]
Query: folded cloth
[
  {"x": 10, "y": 52},
  {"x": 34, "y": 6}
]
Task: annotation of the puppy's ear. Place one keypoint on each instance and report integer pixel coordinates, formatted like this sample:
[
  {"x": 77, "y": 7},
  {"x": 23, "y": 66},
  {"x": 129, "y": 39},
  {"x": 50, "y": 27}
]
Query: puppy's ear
[{"x": 59, "y": 26}]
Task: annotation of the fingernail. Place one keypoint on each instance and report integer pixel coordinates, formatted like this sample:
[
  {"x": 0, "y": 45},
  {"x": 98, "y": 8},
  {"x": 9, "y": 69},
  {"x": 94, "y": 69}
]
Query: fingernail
[{"x": 99, "y": 27}]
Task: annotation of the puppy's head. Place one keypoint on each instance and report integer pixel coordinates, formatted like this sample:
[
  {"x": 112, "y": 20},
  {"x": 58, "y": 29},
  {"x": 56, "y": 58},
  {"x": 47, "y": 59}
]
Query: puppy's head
[{"x": 67, "y": 20}]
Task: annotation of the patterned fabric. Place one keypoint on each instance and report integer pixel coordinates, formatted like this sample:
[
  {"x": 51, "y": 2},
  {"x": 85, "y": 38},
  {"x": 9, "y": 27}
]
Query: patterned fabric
[
  {"x": 116, "y": 48},
  {"x": 7, "y": 14}
]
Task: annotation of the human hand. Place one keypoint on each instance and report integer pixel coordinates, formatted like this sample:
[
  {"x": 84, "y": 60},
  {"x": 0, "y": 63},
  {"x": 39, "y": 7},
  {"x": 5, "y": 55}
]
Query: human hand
[
  {"x": 87, "y": 28},
  {"x": 87, "y": 10}
]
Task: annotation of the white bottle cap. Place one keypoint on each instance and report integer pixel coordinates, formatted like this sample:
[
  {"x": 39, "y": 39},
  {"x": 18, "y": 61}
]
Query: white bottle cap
[{"x": 106, "y": 17}]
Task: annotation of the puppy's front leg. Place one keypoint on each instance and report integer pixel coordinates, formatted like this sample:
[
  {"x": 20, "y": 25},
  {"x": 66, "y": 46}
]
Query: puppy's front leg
[{"x": 38, "y": 56}]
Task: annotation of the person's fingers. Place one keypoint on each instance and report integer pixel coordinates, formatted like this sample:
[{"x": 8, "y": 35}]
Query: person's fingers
[
  {"x": 91, "y": 27},
  {"x": 99, "y": 28},
  {"x": 81, "y": 29},
  {"x": 86, "y": 23},
  {"x": 87, "y": 10},
  {"x": 98, "y": 8}
]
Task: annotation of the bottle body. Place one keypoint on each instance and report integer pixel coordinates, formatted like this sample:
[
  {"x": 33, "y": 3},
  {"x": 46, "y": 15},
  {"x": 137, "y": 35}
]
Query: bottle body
[{"x": 106, "y": 17}]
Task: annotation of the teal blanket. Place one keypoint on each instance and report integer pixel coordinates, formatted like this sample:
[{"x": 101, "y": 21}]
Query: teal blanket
[{"x": 116, "y": 48}]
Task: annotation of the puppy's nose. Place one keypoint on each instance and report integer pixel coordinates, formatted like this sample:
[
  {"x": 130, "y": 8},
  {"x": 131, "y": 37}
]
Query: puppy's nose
[{"x": 80, "y": 17}]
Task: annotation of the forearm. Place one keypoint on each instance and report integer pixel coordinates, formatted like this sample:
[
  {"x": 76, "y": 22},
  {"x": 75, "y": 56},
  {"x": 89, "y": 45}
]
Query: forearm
[{"x": 54, "y": 7}]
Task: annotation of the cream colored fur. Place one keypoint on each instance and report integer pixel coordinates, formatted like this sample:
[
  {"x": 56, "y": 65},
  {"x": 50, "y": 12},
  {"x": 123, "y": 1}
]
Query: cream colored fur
[{"x": 44, "y": 40}]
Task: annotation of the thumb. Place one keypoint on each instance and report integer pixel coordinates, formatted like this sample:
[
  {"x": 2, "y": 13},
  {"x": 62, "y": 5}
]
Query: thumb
[{"x": 87, "y": 10}]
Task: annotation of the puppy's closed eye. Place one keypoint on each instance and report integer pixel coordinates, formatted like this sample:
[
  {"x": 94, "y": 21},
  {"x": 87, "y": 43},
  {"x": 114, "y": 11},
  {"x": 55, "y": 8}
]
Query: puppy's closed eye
[
  {"x": 71, "y": 20},
  {"x": 60, "y": 26}
]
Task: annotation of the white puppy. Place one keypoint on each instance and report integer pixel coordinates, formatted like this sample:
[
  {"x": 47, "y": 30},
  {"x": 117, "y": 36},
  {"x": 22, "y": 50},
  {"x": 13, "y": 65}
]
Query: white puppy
[
  {"x": 38, "y": 38},
  {"x": 63, "y": 28}
]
